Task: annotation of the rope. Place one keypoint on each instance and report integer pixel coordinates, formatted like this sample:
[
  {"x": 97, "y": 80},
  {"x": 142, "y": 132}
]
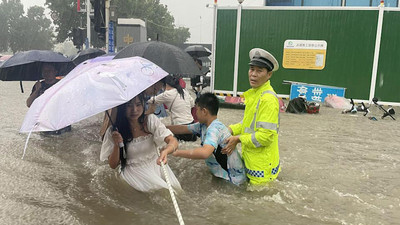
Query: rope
[
  {"x": 27, "y": 139},
  {"x": 171, "y": 192}
]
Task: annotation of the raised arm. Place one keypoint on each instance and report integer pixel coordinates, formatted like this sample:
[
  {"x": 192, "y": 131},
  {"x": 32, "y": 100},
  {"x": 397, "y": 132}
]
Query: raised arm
[{"x": 34, "y": 94}]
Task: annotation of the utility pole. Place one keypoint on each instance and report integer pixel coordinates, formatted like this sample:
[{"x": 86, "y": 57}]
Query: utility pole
[
  {"x": 88, "y": 23},
  {"x": 107, "y": 21}
]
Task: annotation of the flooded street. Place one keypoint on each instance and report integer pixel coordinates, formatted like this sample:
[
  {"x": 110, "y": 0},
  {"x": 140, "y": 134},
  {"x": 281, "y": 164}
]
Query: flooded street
[{"x": 336, "y": 169}]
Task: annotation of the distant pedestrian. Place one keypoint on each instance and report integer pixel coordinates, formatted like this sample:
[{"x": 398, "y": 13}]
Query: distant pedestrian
[
  {"x": 196, "y": 82},
  {"x": 49, "y": 74}
]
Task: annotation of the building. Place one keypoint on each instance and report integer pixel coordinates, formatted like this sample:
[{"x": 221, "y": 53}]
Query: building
[{"x": 130, "y": 30}]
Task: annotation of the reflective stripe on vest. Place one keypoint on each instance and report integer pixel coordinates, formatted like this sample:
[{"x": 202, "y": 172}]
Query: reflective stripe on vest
[
  {"x": 254, "y": 173},
  {"x": 254, "y": 140},
  {"x": 276, "y": 169},
  {"x": 265, "y": 125}
]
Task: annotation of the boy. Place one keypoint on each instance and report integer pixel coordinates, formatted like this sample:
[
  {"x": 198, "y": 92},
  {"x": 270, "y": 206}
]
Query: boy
[{"x": 213, "y": 135}]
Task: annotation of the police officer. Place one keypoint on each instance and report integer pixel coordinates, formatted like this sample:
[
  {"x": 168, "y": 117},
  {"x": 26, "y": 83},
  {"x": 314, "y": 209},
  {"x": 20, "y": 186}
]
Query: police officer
[{"x": 258, "y": 131}]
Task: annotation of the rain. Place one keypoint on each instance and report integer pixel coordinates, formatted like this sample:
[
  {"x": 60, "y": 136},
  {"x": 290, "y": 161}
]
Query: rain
[{"x": 334, "y": 72}]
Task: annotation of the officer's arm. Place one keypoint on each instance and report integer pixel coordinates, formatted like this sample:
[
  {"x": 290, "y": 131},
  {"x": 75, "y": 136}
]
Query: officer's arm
[{"x": 235, "y": 129}]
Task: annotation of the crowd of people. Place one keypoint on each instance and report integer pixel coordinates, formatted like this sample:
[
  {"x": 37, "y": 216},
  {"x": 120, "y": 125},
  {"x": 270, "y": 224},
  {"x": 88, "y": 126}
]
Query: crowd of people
[{"x": 131, "y": 139}]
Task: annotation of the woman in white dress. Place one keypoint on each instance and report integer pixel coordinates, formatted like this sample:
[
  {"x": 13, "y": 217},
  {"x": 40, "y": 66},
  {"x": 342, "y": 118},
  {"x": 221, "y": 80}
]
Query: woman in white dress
[
  {"x": 179, "y": 103},
  {"x": 141, "y": 135}
]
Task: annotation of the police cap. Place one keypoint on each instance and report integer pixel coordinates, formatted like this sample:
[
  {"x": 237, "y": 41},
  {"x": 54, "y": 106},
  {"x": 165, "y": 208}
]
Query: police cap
[{"x": 261, "y": 58}]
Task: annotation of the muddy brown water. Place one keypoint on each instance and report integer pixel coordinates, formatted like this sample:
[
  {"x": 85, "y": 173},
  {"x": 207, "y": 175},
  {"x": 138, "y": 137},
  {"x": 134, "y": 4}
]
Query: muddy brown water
[{"x": 336, "y": 169}]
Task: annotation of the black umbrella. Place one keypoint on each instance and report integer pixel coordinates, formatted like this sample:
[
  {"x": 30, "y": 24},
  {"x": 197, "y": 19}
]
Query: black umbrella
[
  {"x": 27, "y": 66},
  {"x": 86, "y": 54},
  {"x": 170, "y": 58},
  {"x": 197, "y": 51}
]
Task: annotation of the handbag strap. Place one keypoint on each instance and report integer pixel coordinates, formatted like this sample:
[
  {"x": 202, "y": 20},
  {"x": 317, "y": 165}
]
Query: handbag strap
[{"x": 170, "y": 107}]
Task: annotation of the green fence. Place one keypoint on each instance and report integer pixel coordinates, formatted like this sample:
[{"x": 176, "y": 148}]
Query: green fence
[{"x": 350, "y": 37}]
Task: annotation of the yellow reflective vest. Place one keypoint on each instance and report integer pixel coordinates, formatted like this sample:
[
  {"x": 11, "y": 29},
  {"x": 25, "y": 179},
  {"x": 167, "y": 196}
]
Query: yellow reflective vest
[{"x": 259, "y": 134}]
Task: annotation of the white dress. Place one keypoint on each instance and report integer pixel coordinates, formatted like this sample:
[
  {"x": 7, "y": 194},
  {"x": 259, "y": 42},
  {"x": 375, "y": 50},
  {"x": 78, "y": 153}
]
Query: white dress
[{"x": 141, "y": 170}]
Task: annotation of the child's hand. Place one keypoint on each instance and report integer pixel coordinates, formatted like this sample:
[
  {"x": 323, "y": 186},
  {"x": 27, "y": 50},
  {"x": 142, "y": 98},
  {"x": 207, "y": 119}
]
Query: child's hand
[{"x": 151, "y": 108}]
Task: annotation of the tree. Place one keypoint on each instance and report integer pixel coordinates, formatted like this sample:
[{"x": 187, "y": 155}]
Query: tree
[
  {"x": 65, "y": 17},
  {"x": 19, "y": 32},
  {"x": 10, "y": 11},
  {"x": 159, "y": 20},
  {"x": 33, "y": 31}
]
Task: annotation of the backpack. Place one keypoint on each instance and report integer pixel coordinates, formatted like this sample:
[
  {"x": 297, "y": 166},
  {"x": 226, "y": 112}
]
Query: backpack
[{"x": 297, "y": 105}]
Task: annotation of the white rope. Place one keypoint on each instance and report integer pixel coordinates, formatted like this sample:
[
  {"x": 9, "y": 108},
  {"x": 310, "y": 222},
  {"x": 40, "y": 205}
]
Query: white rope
[
  {"x": 27, "y": 139},
  {"x": 171, "y": 192}
]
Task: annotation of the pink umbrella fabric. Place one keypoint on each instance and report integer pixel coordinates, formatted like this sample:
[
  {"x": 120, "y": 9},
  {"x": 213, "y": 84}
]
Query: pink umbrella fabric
[
  {"x": 89, "y": 89},
  {"x": 5, "y": 57}
]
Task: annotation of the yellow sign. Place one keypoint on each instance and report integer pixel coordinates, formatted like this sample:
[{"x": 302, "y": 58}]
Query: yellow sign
[
  {"x": 128, "y": 39},
  {"x": 304, "y": 54}
]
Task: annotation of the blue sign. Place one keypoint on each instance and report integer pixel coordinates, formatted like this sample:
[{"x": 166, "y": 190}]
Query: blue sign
[
  {"x": 315, "y": 93},
  {"x": 111, "y": 37},
  {"x": 86, "y": 43}
]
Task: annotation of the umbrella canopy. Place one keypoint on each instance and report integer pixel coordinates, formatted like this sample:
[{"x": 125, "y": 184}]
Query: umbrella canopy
[
  {"x": 27, "y": 66},
  {"x": 101, "y": 58},
  {"x": 89, "y": 89},
  {"x": 3, "y": 58},
  {"x": 198, "y": 51},
  {"x": 86, "y": 54},
  {"x": 170, "y": 58}
]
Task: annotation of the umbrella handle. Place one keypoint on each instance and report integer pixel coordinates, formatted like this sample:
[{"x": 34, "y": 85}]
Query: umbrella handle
[
  {"x": 122, "y": 152},
  {"x": 112, "y": 123},
  {"x": 22, "y": 87},
  {"x": 27, "y": 139}
]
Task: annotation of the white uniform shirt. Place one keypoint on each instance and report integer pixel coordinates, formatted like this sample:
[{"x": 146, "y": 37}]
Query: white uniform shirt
[{"x": 179, "y": 108}]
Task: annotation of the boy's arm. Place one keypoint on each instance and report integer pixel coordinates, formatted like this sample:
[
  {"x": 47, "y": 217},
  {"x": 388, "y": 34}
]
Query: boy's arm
[
  {"x": 151, "y": 108},
  {"x": 197, "y": 153},
  {"x": 179, "y": 129}
]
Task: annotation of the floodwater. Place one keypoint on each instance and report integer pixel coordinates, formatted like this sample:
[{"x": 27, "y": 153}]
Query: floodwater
[{"x": 336, "y": 169}]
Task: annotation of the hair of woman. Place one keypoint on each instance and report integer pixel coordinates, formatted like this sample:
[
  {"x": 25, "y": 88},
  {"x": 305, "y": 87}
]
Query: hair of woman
[{"x": 174, "y": 82}]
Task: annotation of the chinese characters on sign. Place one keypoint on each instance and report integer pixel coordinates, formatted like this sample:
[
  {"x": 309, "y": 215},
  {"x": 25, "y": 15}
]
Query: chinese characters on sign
[
  {"x": 315, "y": 93},
  {"x": 304, "y": 54}
]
